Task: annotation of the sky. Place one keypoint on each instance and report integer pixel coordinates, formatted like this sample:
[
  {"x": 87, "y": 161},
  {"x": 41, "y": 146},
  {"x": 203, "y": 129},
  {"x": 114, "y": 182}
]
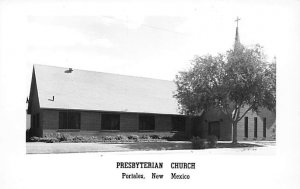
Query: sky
[{"x": 146, "y": 39}]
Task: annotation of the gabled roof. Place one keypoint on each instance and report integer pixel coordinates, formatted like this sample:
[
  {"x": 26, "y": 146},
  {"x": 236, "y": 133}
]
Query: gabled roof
[{"x": 97, "y": 91}]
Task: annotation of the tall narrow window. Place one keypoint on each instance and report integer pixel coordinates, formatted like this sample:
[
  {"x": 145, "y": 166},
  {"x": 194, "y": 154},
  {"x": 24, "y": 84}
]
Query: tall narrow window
[
  {"x": 255, "y": 127},
  {"x": 146, "y": 122},
  {"x": 69, "y": 120},
  {"x": 110, "y": 122},
  {"x": 246, "y": 127},
  {"x": 178, "y": 123},
  {"x": 265, "y": 127}
]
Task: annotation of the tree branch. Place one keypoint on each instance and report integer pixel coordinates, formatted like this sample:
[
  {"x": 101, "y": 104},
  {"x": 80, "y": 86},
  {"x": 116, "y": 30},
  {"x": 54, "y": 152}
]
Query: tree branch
[
  {"x": 235, "y": 112},
  {"x": 245, "y": 113},
  {"x": 208, "y": 89},
  {"x": 238, "y": 113}
]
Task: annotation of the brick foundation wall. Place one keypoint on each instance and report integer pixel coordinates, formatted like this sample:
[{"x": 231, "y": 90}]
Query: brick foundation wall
[
  {"x": 49, "y": 119},
  {"x": 163, "y": 123},
  {"x": 270, "y": 124},
  {"x": 226, "y": 129},
  {"x": 225, "y": 125},
  {"x": 90, "y": 121},
  {"x": 129, "y": 122}
]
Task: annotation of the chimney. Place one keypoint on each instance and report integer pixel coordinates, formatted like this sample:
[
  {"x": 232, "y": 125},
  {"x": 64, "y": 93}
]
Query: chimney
[{"x": 70, "y": 70}]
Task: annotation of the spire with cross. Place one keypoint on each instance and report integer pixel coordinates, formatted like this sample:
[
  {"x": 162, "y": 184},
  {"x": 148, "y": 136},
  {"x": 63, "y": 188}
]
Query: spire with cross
[
  {"x": 237, "y": 43},
  {"x": 237, "y": 21}
]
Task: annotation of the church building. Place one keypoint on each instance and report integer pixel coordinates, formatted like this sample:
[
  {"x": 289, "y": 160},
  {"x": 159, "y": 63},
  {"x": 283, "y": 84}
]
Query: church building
[{"x": 87, "y": 102}]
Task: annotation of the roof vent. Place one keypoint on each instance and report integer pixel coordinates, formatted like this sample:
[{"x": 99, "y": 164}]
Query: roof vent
[{"x": 69, "y": 70}]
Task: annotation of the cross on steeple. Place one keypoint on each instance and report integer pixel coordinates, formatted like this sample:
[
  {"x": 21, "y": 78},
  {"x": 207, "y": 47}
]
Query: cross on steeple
[
  {"x": 237, "y": 21},
  {"x": 237, "y": 43}
]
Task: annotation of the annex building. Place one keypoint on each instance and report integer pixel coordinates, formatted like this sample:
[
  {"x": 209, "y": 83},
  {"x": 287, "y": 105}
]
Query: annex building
[{"x": 87, "y": 102}]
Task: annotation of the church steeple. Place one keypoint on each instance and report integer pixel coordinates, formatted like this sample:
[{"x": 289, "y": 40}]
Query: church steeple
[{"x": 237, "y": 43}]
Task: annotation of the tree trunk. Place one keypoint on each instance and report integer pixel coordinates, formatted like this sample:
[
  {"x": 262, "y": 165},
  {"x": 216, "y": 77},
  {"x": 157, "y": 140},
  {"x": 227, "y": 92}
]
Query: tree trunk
[{"x": 234, "y": 132}]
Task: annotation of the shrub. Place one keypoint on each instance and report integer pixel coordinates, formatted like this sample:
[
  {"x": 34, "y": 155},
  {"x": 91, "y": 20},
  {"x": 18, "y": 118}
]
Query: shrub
[
  {"x": 93, "y": 139},
  {"x": 79, "y": 139},
  {"x": 48, "y": 135},
  {"x": 212, "y": 141},
  {"x": 155, "y": 137},
  {"x": 51, "y": 135},
  {"x": 28, "y": 135},
  {"x": 31, "y": 133},
  {"x": 109, "y": 138},
  {"x": 133, "y": 137},
  {"x": 34, "y": 139},
  {"x": 198, "y": 143},
  {"x": 147, "y": 137},
  {"x": 121, "y": 137},
  {"x": 166, "y": 137},
  {"x": 274, "y": 133},
  {"x": 62, "y": 137},
  {"x": 49, "y": 140},
  {"x": 59, "y": 137},
  {"x": 180, "y": 136}
]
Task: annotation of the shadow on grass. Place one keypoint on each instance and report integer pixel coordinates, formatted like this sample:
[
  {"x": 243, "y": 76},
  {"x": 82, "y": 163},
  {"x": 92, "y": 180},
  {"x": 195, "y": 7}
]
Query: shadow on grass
[
  {"x": 158, "y": 146},
  {"x": 238, "y": 145},
  {"x": 181, "y": 146}
]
